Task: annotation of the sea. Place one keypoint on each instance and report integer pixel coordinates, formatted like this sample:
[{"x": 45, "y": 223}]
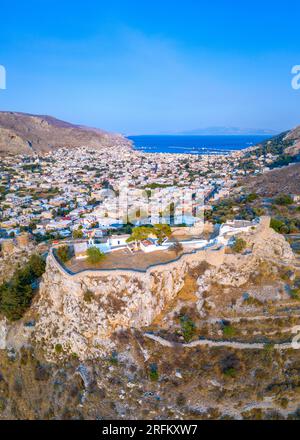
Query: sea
[{"x": 182, "y": 144}]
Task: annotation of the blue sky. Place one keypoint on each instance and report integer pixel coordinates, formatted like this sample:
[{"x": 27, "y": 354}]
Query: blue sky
[{"x": 144, "y": 66}]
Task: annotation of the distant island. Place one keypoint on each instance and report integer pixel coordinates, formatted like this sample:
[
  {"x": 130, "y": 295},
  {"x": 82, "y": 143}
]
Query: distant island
[{"x": 223, "y": 131}]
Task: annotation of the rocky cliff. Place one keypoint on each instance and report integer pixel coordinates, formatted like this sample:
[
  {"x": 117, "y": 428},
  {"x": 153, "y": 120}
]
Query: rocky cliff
[
  {"x": 94, "y": 371},
  {"x": 22, "y": 133},
  {"x": 81, "y": 313}
]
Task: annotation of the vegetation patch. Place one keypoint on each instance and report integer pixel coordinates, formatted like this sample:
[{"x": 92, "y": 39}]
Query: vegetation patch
[
  {"x": 188, "y": 328},
  {"x": 63, "y": 253},
  {"x": 88, "y": 296},
  {"x": 95, "y": 255},
  {"x": 239, "y": 245},
  {"x": 295, "y": 294},
  {"x": 153, "y": 373},
  {"x": 229, "y": 331},
  {"x": 17, "y": 293}
]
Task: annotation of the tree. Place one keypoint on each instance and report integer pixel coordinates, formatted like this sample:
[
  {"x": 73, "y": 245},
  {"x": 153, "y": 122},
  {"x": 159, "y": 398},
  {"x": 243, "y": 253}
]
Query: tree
[
  {"x": 283, "y": 200},
  {"x": 16, "y": 295},
  {"x": 188, "y": 328},
  {"x": 251, "y": 197},
  {"x": 63, "y": 253},
  {"x": 15, "y": 298},
  {"x": 95, "y": 255},
  {"x": 140, "y": 233},
  {"x": 278, "y": 225},
  {"x": 239, "y": 245},
  {"x": 37, "y": 265},
  {"x": 162, "y": 231},
  {"x": 77, "y": 233}
]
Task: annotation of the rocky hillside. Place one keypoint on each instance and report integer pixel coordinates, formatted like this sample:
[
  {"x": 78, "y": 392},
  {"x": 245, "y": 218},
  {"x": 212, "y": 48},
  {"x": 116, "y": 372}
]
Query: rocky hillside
[
  {"x": 285, "y": 146},
  {"x": 22, "y": 133},
  {"x": 285, "y": 180},
  {"x": 294, "y": 136},
  {"x": 192, "y": 341},
  {"x": 81, "y": 313}
]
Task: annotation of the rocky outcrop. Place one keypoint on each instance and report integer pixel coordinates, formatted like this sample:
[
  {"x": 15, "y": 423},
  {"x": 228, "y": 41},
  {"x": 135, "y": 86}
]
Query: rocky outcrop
[
  {"x": 80, "y": 313},
  {"x": 269, "y": 245}
]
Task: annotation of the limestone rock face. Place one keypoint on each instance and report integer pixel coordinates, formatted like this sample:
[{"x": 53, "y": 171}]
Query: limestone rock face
[
  {"x": 236, "y": 270},
  {"x": 269, "y": 245},
  {"x": 80, "y": 313},
  {"x": 3, "y": 334}
]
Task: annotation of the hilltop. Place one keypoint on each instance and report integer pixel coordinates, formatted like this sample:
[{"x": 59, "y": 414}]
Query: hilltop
[{"x": 22, "y": 133}]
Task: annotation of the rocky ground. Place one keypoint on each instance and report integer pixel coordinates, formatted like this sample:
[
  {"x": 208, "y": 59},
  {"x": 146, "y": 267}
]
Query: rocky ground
[{"x": 279, "y": 181}]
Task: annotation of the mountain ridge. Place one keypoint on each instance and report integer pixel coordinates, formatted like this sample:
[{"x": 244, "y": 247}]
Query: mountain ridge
[{"x": 25, "y": 133}]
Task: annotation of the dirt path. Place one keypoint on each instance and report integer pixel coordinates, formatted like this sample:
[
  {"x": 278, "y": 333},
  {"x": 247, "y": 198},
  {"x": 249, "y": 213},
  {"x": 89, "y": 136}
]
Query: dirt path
[
  {"x": 250, "y": 318},
  {"x": 210, "y": 343}
]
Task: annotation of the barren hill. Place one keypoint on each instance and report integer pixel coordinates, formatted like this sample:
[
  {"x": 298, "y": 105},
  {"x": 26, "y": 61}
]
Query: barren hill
[
  {"x": 22, "y": 133},
  {"x": 294, "y": 135},
  {"x": 286, "y": 145},
  {"x": 285, "y": 180}
]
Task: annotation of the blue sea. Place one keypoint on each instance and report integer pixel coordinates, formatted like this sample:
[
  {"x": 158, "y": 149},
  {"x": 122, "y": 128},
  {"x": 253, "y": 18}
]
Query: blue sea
[{"x": 194, "y": 144}]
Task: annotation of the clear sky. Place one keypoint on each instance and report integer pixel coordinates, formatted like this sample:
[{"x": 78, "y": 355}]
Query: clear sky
[{"x": 151, "y": 66}]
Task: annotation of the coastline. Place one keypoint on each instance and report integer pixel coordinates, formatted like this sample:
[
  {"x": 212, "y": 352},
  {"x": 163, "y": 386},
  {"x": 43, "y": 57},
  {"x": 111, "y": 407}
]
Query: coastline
[{"x": 194, "y": 145}]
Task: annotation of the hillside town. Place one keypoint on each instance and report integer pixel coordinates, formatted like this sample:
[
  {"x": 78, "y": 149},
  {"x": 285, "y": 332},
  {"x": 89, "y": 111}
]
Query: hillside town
[{"x": 52, "y": 195}]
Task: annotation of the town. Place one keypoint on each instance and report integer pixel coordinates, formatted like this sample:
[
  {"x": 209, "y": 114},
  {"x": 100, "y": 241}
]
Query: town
[{"x": 73, "y": 193}]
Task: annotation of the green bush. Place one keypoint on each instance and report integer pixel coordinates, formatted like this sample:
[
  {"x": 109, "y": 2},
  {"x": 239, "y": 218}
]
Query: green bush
[
  {"x": 283, "y": 200},
  {"x": 268, "y": 349},
  {"x": 15, "y": 299},
  {"x": 277, "y": 225},
  {"x": 230, "y": 372},
  {"x": 58, "y": 348},
  {"x": 239, "y": 245},
  {"x": 114, "y": 358},
  {"x": 37, "y": 265},
  {"x": 181, "y": 400},
  {"x": 187, "y": 327},
  {"x": 77, "y": 233},
  {"x": 63, "y": 253},
  {"x": 95, "y": 255},
  {"x": 16, "y": 294},
  {"x": 251, "y": 301},
  {"x": 251, "y": 197},
  {"x": 229, "y": 331},
  {"x": 295, "y": 294},
  {"x": 153, "y": 374},
  {"x": 88, "y": 296},
  {"x": 2, "y": 404}
]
